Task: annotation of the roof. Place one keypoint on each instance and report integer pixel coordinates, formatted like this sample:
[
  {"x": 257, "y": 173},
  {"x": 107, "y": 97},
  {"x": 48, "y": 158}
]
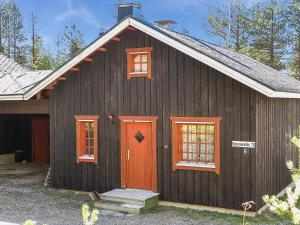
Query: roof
[
  {"x": 16, "y": 79},
  {"x": 274, "y": 79},
  {"x": 257, "y": 76}
]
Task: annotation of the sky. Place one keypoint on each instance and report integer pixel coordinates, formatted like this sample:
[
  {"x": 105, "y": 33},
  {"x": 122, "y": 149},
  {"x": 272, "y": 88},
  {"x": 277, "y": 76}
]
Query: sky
[{"x": 90, "y": 15}]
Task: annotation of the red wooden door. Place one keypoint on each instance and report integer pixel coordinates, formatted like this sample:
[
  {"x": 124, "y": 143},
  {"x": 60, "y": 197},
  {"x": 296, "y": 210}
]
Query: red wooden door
[
  {"x": 138, "y": 155},
  {"x": 40, "y": 140}
]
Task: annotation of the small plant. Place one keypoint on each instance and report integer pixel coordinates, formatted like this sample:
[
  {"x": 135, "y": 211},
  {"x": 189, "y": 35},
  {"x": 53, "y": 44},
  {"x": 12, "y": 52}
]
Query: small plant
[
  {"x": 87, "y": 217},
  {"x": 246, "y": 206},
  {"x": 29, "y": 222},
  {"x": 287, "y": 207}
]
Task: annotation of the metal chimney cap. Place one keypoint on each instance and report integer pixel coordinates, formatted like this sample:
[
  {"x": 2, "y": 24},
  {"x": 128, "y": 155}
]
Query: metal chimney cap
[
  {"x": 124, "y": 5},
  {"x": 165, "y": 22}
]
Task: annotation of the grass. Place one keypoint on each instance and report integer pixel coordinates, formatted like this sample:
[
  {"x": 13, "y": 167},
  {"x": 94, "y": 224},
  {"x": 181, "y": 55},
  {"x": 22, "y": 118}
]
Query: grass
[
  {"x": 196, "y": 214},
  {"x": 81, "y": 197},
  {"x": 214, "y": 216},
  {"x": 63, "y": 193}
]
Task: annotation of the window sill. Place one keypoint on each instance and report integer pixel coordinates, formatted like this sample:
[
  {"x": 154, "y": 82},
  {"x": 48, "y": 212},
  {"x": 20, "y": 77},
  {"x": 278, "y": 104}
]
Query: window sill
[
  {"x": 138, "y": 73},
  {"x": 200, "y": 165},
  {"x": 182, "y": 165},
  {"x": 86, "y": 159}
]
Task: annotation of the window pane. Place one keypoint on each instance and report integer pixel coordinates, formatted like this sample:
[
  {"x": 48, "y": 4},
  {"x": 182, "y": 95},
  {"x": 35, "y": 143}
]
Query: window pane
[
  {"x": 210, "y": 158},
  {"x": 184, "y": 156},
  {"x": 91, "y": 151},
  {"x": 210, "y": 139},
  {"x": 202, "y": 158},
  {"x": 192, "y": 156},
  {"x": 203, "y": 148},
  {"x": 144, "y": 67},
  {"x": 137, "y": 59},
  {"x": 192, "y": 138},
  {"x": 210, "y": 129},
  {"x": 144, "y": 58},
  {"x": 92, "y": 143},
  {"x": 202, "y": 138},
  {"x": 210, "y": 149},
  {"x": 184, "y": 147},
  {"x": 137, "y": 67},
  {"x": 184, "y": 128},
  {"x": 192, "y": 148},
  {"x": 184, "y": 137},
  {"x": 202, "y": 129}
]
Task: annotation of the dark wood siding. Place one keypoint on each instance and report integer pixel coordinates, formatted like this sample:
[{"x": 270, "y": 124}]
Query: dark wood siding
[
  {"x": 277, "y": 121},
  {"x": 180, "y": 86}
]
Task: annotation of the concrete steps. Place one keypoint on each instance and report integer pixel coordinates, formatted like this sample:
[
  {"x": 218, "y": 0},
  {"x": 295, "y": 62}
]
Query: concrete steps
[{"x": 133, "y": 201}]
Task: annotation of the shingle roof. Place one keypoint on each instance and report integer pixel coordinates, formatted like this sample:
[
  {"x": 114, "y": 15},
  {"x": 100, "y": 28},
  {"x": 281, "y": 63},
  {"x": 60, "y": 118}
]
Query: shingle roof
[
  {"x": 17, "y": 79},
  {"x": 275, "y": 80}
]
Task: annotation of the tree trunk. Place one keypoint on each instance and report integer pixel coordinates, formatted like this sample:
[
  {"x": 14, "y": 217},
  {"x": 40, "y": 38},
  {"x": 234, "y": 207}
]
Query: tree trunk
[
  {"x": 298, "y": 49},
  {"x": 272, "y": 53}
]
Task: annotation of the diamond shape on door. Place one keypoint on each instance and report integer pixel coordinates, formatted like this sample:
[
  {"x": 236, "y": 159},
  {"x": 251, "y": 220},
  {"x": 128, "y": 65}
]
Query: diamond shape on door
[{"x": 139, "y": 136}]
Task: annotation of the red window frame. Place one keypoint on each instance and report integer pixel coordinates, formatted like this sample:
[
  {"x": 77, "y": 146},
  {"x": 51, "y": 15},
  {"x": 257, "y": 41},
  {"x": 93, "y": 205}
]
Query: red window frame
[
  {"x": 177, "y": 142},
  {"x": 134, "y": 52},
  {"x": 87, "y": 140}
]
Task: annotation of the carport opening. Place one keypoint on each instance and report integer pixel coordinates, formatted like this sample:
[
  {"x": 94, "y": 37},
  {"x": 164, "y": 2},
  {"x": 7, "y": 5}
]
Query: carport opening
[{"x": 24, "y": 139}]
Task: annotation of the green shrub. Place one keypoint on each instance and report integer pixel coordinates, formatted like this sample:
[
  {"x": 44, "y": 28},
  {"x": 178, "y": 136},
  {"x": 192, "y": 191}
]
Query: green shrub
[{"x": 287, "y": 206}]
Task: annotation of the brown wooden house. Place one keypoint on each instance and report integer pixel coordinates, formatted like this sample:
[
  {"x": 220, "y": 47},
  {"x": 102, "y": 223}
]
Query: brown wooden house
[{"x": 146, "y": 107}]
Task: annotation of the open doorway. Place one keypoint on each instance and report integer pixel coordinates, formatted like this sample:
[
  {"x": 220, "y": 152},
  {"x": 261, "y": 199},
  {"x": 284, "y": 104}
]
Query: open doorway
[{"x": 24, "y": 139}]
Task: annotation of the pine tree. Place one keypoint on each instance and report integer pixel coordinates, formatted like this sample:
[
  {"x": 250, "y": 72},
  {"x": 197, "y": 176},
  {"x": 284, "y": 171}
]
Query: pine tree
[
  {"x": 40, "y": 59},
  {"x": 293, "y": 18},
  {"x": 69, "y": 43},
  {"x": 1, "y": 27},
  {"x": 12, "y": 31},
  {"x": 268, "y": 32},
  {"x": 231, "y": 24},
  {"x": 35, "y": 39}
]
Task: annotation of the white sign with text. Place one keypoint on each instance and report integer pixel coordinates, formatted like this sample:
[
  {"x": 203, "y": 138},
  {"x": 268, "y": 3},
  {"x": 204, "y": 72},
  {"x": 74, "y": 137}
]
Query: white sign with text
[{"x": 243, "y": 144}]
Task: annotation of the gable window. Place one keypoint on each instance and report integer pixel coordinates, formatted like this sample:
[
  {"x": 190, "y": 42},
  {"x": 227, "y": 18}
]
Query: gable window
[
  {"x": 139, "y": 62},
  {"x": 196, "y": 143},
  {"x": 87, "y": 138}
]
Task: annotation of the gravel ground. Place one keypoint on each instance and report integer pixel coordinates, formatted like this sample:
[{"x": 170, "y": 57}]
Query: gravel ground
[{"x": 23, "y": 197}]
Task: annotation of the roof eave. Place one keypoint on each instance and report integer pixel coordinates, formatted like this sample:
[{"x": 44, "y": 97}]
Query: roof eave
[
  {"x": 74, "y": 61},
  {"x": 11, "y": 97}
]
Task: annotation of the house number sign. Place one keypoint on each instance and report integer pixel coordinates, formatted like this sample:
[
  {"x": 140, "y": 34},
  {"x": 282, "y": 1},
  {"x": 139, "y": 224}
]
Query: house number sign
[{"x": 245, "y": 145}]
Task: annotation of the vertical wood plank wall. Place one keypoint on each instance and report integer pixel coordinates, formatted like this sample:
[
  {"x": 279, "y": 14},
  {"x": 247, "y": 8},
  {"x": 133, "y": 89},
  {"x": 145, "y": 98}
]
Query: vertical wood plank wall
[
  {"x": 180, "y": 86},
  {"x": 277, "y": 121}
]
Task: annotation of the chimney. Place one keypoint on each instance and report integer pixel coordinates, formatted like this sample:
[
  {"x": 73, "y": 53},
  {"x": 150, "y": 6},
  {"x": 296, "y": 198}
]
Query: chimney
[
  {"x": 168, "y": 24},
  {"x": 129, "y": 9}
]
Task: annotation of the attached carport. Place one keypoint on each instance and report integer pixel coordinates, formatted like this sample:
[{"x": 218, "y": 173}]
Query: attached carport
[
  {"x": 24, "y": 121},
  {"x": 24, "y": 131}
]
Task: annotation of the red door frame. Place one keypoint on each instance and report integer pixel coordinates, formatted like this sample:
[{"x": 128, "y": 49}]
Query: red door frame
[{"x": 149, "y": 119}]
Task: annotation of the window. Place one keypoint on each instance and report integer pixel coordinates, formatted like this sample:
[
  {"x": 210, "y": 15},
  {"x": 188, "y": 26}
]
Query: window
[
  {"x": 87, "y": 138},
  {"x": 139, "y": 62},
  {"x": 195, "y": 143}
]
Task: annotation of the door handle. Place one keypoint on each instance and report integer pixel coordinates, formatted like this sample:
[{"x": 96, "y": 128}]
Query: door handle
[{"x": 128, "y": 154}]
